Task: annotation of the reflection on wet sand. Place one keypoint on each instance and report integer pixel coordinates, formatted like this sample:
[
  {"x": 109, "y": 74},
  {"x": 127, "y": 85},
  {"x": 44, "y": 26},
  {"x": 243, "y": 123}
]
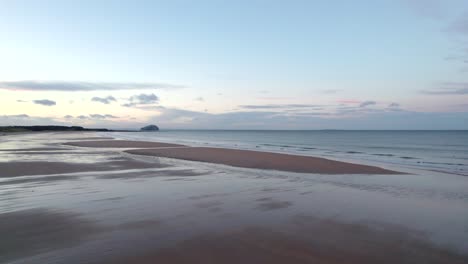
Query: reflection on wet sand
[
  {"x": 23, "y": 168},
  {"x": 125, "y": 209},
  {"x": 32, "y": 231},
  {"x": 312, "y": 241}
]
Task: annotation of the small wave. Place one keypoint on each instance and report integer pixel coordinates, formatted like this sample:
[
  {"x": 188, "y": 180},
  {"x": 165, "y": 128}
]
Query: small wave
[
  {"x": 405, "y": 157},
  {"x": 354, "y": 152},
  {"x": 442, "y": 163},
  {"x": 305, "y": 149},
  {"x": 275, "y": 145},
  {"x": 383, "y": 155}
]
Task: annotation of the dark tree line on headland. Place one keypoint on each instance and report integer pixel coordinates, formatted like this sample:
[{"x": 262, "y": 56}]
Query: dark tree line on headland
[{"x": 49, "y": 128}]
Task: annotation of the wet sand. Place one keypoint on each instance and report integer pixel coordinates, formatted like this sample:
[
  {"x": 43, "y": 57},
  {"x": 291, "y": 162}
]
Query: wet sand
[
  {"x": 302, "y": 240},
  {"x": 25, "y": 168},
  {"x": 89, "y": 205},
  {"x": 333, "y": 243}
]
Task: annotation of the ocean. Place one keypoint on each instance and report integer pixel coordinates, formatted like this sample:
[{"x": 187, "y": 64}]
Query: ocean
[{"x": 436, "y": 151}]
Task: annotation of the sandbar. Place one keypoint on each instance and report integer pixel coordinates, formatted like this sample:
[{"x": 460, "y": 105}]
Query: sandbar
[
  {"x": 121, "y": 144},
  {"x": 263, "y": 160}
]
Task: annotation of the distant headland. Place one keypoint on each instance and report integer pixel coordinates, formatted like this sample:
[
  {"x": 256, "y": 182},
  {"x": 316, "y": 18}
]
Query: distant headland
[
  {"x": 6, "y": 129},
  {"x": 50, "y": 128}
]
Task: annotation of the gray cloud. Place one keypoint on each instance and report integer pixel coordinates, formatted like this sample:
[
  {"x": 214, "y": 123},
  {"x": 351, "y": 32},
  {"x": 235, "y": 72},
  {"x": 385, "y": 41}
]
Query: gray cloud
[
  {"x": 367, "y": 103},
  {"x": 72, "y": 86},
  {"x": 26, "y": 120},
  {"x": 145, "y": 98},
  {"x": 460, "y": 25},
  {"x": 104, "y": 100},
  {"x": 68, "y": 116},
  {"x": 300, "y": 114},
  {"x": 82, "y": 117},
  {"x": 448, "y": 88},
  {"x": 45, "y": 102},
  {"x": 99, "y": 116},
  {"x": 142, "y": 99},
  {"x": 442, "y": 11},
  {"x": 279, "y": 106},
  {"x": 433, "y": 9},
  {"x": 200, "y": 99},
  {"x": 17, "y": 116},
  {"x": 21, "y": 101},
  {"x": 394, "y": 105},
  {"x": 372, "y": 119},
  {"x": 178, "y": 118}
]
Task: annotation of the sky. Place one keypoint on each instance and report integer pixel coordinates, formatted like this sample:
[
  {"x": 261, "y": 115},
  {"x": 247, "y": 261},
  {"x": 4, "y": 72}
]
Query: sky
[{"x": 363, "y": 64}]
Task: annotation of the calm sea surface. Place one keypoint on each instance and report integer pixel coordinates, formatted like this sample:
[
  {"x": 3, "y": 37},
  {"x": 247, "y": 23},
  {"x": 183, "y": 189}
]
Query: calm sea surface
[{"x": 440, "y": 151}]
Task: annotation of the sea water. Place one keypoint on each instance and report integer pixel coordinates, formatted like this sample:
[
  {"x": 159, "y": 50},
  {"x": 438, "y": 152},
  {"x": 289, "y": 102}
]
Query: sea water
[{"x": 438, "y": 151}]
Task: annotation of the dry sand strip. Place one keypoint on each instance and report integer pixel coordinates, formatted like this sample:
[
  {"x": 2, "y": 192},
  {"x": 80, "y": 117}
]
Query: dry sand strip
[
  {"x": 121, "y": 144},
  {"x": 263, "y": 160}
]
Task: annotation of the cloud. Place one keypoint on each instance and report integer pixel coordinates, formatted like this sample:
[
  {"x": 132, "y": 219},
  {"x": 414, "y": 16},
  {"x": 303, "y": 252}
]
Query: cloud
[
  {"x": 269, "y": 98},
  {"x": 26, "y": 120},
  {"x": 279, "y": 106},
  {"x": 178, "y": 118},
  {"x": 200, "y": 99},
  {"x": 142, "y": 99},
  {"x": 372, "y": 119},
  {"x": 449, "y": 88},
  {"x": 352, "y": 111},
  {"x": 145, "y": 98},
  {"x": 348, "y": 101},
  {"x": 394, "y": 105},
  {"x": 442, "y": 11},
  {"x": 433, "y": 9},
  {"x": 92, "y": 116},
  {"x": 73, "y": 86},
  {"x": 367, "y": 103},
  {"x": 45, "y": 102},
  {"x": 104, "y": 100},
  {"x": 460, "y": 25},
  {"x": 21, "y": 101},
  {"x": 98, "y": 116},
  {"x": 17, "y": 116}
]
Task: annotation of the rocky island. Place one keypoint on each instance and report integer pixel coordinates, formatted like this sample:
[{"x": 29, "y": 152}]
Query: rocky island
[{"x": 150, "y": 128}]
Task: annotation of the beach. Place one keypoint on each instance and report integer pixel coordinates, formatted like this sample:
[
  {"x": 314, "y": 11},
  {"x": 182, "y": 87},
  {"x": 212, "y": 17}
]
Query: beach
[{"x": 82, "y": 197}]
